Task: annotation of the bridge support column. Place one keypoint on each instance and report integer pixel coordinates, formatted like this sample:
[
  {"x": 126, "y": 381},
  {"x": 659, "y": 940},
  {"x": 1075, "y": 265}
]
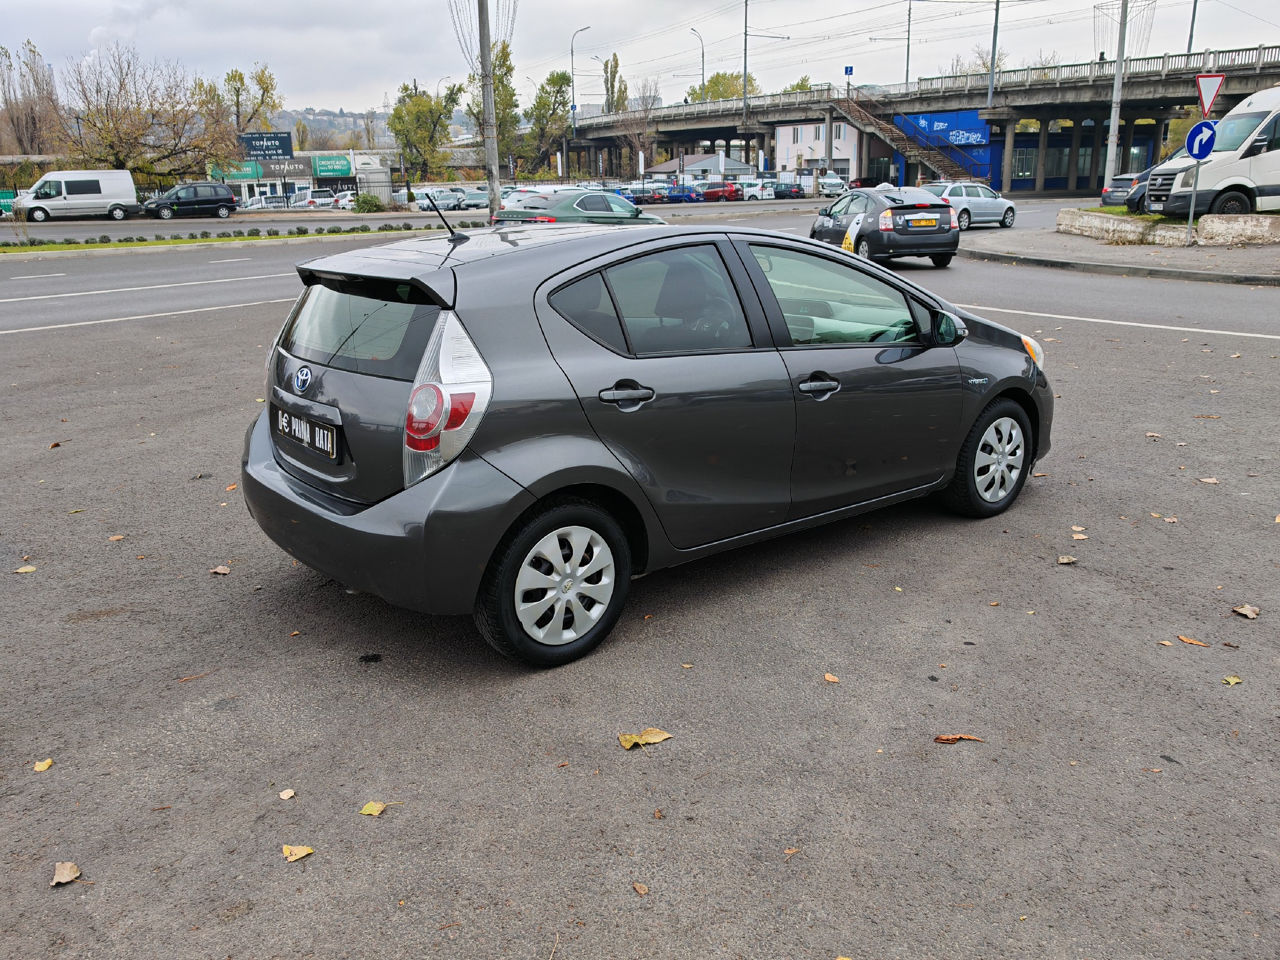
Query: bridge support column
[
  {"x": 1095, "y": 155},
  {"x": 1073, "y": 157},
  {"x": 864, "y": 148},
  {"x": 1042, "y": 148},
  {"x": 1006, "y": 171},
  {"x": 826, "y": 137}
]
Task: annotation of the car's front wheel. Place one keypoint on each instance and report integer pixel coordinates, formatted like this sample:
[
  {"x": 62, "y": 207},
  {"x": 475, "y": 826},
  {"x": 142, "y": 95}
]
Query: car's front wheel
[
  {"x": 1231, "y": 202},
  {"x": 165, "y": 213},
  {"x": 36, "y": 215},
  {"x": 556, "y": 585},
  {"x": 1007, "y": 219},
  {"x": 993, "y": 463}
]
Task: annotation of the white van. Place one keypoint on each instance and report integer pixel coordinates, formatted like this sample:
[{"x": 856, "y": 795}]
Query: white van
[
  {"x": 1241, "y": 175},
  {"x": 80, "y": 193}
]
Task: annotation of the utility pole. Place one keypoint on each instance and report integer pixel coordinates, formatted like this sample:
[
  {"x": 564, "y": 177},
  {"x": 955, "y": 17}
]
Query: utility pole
[
  {"x": 907, "y": 78},
  {"x": 1113, "y": 132},
  {"x": 744, "y": 63},
  {"x": 490, "y": 124},
  {"x": 702, "y": 90},
  {"x": 991, "y": 77},
  {"x": 1191, "y": 34}
]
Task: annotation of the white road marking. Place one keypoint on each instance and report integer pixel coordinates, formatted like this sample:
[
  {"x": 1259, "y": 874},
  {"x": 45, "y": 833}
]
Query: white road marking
[
  {"x": 232, "y": 260},
  {"x": 154, "y": 286},
  {"x": 146, "y": 316},
  {"x": 37, "y": 276},
  {"x": 1118, "y": 323}
]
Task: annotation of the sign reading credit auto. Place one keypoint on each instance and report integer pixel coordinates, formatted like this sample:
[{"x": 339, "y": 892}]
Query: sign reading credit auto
[{"x": 267, "y": 146}]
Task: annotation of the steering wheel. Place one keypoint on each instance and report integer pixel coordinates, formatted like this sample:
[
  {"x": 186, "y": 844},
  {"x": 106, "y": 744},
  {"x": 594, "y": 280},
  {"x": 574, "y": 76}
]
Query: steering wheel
[{"x": 713, "y": 317}]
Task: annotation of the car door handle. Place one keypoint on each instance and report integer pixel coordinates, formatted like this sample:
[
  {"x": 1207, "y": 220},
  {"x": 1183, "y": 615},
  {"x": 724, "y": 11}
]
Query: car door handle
[
  {"x": 820, "y": 385},
  {"x": 626, "y": 394}
]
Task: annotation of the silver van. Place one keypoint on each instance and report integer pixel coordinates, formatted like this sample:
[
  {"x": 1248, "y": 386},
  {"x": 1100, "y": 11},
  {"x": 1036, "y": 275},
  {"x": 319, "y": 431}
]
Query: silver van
[{"x": 80, "y": 193}]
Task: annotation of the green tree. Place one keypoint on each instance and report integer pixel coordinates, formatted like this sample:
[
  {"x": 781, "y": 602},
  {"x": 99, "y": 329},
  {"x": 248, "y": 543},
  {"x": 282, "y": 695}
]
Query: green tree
[
  {"x": 800, "y": 85},
  {"x": 548, "y": 118},
  {"x": 506, "y": 108},
  {"x": 725, "y": 86},
  {"x": 615, "y": 88},
  {"x": 301, "y": 135},
  {"x": 252, "y": 100},
  {"x": 420, "y": 124}
]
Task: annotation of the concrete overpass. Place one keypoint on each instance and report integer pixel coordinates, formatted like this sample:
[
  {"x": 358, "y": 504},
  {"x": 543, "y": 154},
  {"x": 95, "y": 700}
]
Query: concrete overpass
[{"x": 1072, "y": 97}]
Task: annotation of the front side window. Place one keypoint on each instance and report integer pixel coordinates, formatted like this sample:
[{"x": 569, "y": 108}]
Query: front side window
[
  {"x": 987, "y": 193},
  {"x": 187, "y": 193},
  {"x": 48, "y": 190},
  {"x": 828, "y": 303},
  {"x": 679, "y": 301},
  {"x": 619, "y": 205}
]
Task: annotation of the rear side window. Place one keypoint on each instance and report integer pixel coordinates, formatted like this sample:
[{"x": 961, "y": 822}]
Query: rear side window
[
  {"x": 370, "y": 327},
  {"x": 82, "y": 187},
  {"x": 586, "y": 304}
]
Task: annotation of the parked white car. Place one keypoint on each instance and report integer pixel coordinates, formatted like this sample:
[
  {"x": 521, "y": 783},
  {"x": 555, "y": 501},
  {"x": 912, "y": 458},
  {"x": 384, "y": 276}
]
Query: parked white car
[
  {"x": 756, "y": 189},
  {"x": 830, "y": 186},
  {"x": 312, "y": 199},
  {"x": 346, "y": 200}
]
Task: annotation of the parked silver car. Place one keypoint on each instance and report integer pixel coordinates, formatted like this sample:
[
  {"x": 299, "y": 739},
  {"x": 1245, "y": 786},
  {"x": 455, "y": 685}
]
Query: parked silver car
[
  {"x": 974, "y": 203},
  {"x": 445, "y": 199}
]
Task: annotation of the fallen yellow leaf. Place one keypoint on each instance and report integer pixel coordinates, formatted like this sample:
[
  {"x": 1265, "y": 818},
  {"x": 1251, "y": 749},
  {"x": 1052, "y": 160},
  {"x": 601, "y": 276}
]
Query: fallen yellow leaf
[
  {"x": 287, "y": 794},
  {"x": 43, "y": 765},
  {"x": 1208, "y": 479},
  {"x": 1191, "y": 641},
  {"x": 117, "y": 538},
  {"x": 1232, "y": 680},
  {"x": 1247, "y": 610},
  {"x": 295, "y": 633},
  {"x": 687, "y": 666},
  {"x": 897, "y": 589},
  {"x": 994, "y": 603},
  {"x": 1066, "y": 558},
  {"x": 956, "y": 738},
  {"x": 230, "y": 487},
  {"x": 292, "y": 853},
  {"x": 1079, "y": 536},
  {"x": 28, "y": 568},
  {"x": 830, "y": 678},
  {"x": 374, "y": 809},
  {"x": 64, "y": 872},
  {"x": 221, "y": 570},
  {"x": 1165, "y": 643},
  {"x": 1039, "y": 474},
  {"x": 649, "y": 735},
  {"x": 640, "y": 888},
  {"x": 1077, "y": 528}
]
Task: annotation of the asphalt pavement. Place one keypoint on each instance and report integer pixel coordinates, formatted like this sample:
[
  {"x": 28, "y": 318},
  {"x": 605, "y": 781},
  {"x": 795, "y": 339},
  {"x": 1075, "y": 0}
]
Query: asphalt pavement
[{"x": 1121, "y": 802}]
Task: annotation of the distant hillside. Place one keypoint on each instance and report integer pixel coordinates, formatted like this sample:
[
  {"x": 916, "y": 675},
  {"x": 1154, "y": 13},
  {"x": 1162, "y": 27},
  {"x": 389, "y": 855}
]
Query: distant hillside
[{"x": 340, "y": 129}]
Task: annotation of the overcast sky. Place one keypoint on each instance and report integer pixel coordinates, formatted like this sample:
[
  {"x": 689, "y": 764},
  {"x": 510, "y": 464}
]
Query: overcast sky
[{"x": 355, "y": 54}]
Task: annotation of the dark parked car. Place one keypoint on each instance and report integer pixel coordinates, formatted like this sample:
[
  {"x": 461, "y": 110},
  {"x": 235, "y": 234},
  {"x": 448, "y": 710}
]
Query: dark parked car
[
  {"x": 895, "y": 222},
  {"x": 788, "y": 191},
  {"x": 516, "y": 424},
  {"x": 685, "y": 193},
  {"x": 1117, "y": 190},
  {"x": 193, "y": 200}
]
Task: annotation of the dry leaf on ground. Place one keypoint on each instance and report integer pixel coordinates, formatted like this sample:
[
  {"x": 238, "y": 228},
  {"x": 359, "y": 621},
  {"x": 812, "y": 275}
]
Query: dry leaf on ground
[
  {"x": 649, "y": 735},
  {"x": 1209, "y": 480},
  {"x": 1191, "y": 641},
  {"x": 956, "y": 738},
  {"x": 640, "y": 888},
  {"x": 28, "y": 568},
  {"x": 292, "y": 853},
  {"x": 1165, "y": 643},
  {"x": 1206, "y": 416},
  {"x": 1153, "y": 436},
  {"x": 1079, "y": 536},
  {"x": 116, "y": 538},
  {"x": 687, "y": 666},
  {"x": 230, "y": 487},
  {"x": 1247, "y": 610},
  {"x": 374, "y": 809},
  {"x": 1077, "y": 528},
  {"x": 830, "y": 678},
  {"x": 64, "y": 872},
  {"x": 1232, "y": 680},
  {"x": 1169, "y": 519},
  {"x": 287, "y": 794},
  {"x": 221, "y": 570},
  {"x": 1066, "y": 559},
  {"x": 43, "y": 765},
  {"x": 1039, "y": 474}
]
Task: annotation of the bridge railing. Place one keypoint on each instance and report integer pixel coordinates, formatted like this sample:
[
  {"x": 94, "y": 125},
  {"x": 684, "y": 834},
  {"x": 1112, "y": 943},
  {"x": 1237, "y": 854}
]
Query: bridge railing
[{"x": 818, "y": 93}]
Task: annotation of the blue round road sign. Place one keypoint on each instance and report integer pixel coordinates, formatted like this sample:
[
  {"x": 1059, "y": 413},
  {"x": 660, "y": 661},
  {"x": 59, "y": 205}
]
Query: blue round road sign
[{"x": 1200, "y": 140}]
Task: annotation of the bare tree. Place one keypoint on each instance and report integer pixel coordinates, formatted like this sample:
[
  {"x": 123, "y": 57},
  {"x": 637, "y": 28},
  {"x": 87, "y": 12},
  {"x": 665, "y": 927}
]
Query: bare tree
[
  {"x": 28, "y": 99},
  {"x": 123, "y": 112},
  {"x": 636, "y": 123},
  {"x": 252, "y": 99}
]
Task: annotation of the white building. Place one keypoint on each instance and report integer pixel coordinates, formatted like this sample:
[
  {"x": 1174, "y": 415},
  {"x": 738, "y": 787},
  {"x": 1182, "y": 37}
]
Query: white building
[{"x": 802, "y": 148}]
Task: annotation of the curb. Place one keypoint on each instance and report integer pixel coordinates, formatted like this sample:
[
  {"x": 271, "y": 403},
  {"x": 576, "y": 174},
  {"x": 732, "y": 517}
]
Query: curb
[
  {"x": 26, "y": 256},
  {"x": 1125, "y": 270}
]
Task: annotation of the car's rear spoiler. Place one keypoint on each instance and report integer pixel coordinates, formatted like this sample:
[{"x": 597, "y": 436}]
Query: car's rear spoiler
[{"x": 437, "y": 283}]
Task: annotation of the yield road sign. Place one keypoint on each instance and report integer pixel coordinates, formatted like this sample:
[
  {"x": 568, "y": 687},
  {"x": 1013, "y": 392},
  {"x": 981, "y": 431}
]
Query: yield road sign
[
  {"x": 1200, "y": 140},
  {"x": 1208, "y": 85}
]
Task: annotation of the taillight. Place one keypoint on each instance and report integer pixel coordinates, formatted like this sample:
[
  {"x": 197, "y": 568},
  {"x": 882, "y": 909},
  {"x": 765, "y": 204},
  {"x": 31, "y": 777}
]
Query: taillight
[
  {"x": 886, "y": 221},
  {"x": 955, "y": 224},
  {"x": 449, "y": 397},
  {"x": 542, "y": 219}
]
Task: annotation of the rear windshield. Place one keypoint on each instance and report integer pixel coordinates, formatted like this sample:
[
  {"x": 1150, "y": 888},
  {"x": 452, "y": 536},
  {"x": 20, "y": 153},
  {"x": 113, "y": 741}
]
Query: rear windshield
[
  {"x": 370, "y": 327},
  {"x": 908, "y": 195},
  {"x": 934, "y": 188}
]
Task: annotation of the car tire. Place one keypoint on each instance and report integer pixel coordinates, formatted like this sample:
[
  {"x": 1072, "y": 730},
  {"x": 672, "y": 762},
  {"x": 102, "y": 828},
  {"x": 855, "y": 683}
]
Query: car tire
[
  {"x": 962, "y": 219},
  {"x": 993, "y": 462},
  {"x": 37, "y": 215},
  {"x": 224, "y": 212},
  {"x": 1231, "y": 202},
  {"x": 1007, "y": 220},
  {"x": 528, "y": 565},
  {"x": 753, "y": 197},
  {"x": 165, "y": 213},
  {"x": 863, "y": 248},
  {"x": 941, "y": 260},
  {"x": 117, "y": 213}
]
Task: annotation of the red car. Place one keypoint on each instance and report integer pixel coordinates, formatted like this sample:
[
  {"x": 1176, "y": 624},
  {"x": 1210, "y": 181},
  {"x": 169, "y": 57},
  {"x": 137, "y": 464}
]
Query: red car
[{"x": 721, "y": 191}]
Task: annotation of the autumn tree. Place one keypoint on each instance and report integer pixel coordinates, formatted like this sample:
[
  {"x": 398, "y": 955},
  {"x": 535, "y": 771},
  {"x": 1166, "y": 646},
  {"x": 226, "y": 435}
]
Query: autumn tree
[
  {"x": 637, "y": 123},
  {"x": 548, "y": 118},
  {"x": 506, "y": 109},
  {"x": 725, "y": 86},
  {"x": 123, "y": 112},
  {"x": 28, "y": 99},
  {"x": 978, "y": 61},
  {"x": 615, "y": 87},
  {"x": 420, "y": 124},
  {"x": 253, "y": 100},
  {"x": 800, "y": 85},
  {"x": 301, "y": 135}
]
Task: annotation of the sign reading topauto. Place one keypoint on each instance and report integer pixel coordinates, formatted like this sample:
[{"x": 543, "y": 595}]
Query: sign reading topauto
[{"x": 267, "y": 146}]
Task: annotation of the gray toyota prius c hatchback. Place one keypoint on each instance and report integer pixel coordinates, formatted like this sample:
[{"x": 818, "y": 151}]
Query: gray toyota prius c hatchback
[{"x": 516, "y": 423}]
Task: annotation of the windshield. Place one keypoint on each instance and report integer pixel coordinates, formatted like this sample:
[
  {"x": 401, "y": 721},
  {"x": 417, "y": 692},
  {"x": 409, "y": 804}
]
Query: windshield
[{"x": 1233, "y": 131}]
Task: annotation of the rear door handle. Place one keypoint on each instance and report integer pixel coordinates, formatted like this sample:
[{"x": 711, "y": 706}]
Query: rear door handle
[
  {"x": 625, "y": 395},
  {"x": 820, "y": 385}
]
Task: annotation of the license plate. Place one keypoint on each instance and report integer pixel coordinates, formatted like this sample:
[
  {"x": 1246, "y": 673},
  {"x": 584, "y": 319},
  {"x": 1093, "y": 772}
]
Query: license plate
[
  {"x": 319, "y": 437},
  {"x": 924, "y": 223},
  {"x": 1155, "y": 206}
]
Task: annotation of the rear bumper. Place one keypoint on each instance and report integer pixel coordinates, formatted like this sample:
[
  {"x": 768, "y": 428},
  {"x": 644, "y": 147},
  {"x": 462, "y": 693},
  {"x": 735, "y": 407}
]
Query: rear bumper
[
  {"x": 927, "y": 245},
  {"x": 425, "y": 548}
]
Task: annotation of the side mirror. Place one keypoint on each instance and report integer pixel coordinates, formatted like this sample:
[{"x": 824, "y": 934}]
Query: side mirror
[
  {"x": 824, "y": 212},
  {"x": 948, "y": 329},
  {"x": 635, "y": 212},
  {"x": 1258, "y": 146}
]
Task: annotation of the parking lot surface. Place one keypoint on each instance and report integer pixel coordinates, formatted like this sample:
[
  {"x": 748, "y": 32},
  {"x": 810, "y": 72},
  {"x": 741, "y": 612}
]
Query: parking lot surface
[{"x": 1121, "y": 799}]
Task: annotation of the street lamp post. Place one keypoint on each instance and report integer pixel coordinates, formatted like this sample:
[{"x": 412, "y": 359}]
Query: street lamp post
[
  {"x": 573, "y": 82},
  {"x": 702, "y": 90}
]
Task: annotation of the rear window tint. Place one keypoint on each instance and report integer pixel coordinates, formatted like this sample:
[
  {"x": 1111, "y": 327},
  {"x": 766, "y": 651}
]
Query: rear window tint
[
  {"x": 587, "y": 305},
  {"x": 379, "y": 329},
  {"x": 81, "y": 187}
]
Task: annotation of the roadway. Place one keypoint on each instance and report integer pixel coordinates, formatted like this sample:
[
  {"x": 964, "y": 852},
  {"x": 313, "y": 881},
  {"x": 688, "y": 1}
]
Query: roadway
[{"x": 1122, "y": 802}]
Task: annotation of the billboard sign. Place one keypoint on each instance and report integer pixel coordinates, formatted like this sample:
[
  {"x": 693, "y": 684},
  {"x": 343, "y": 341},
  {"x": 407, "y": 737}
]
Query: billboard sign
[{"x": 267, "y": 146}]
